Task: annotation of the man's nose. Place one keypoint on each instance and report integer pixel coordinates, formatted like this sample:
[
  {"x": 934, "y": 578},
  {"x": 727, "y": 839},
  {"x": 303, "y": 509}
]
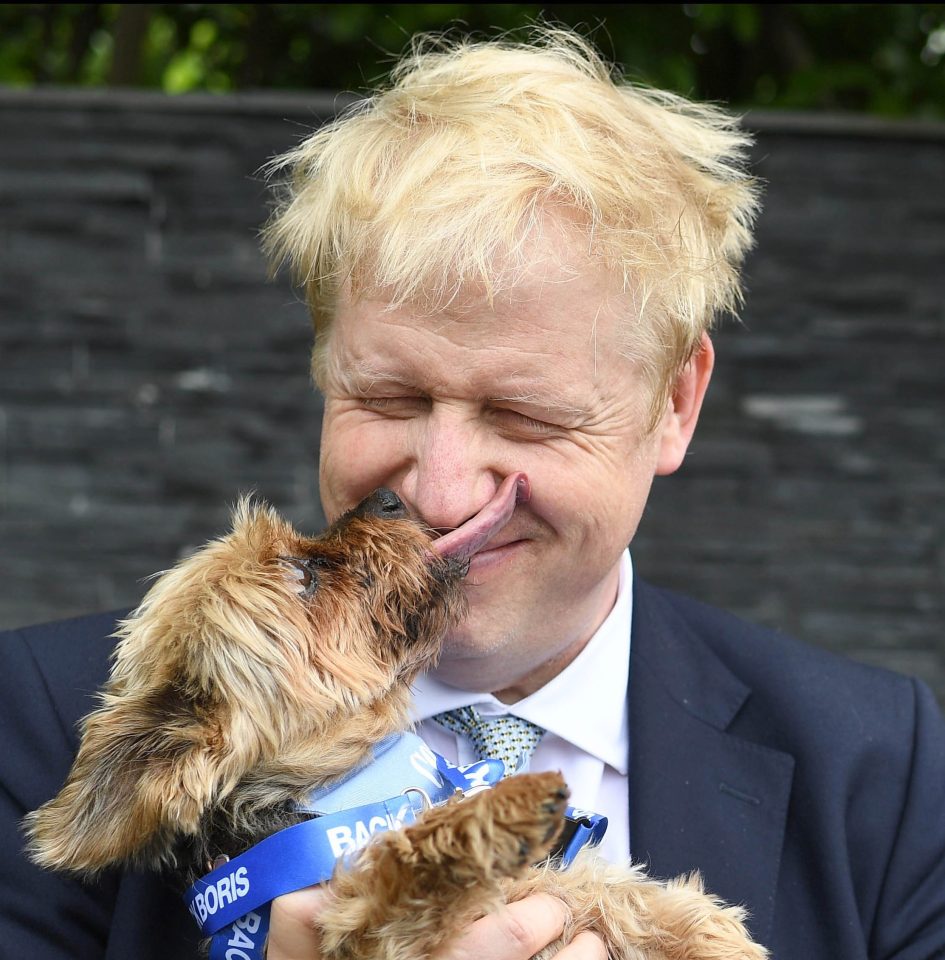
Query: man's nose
[{"x": 452, "y": 475}]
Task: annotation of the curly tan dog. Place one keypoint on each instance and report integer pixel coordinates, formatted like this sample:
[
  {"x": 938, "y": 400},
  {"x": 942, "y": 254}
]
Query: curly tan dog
[{"x": 269, "y": 663}]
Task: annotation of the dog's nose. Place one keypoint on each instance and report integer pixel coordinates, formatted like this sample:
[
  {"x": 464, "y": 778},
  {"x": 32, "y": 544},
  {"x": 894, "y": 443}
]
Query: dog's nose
[{"x": 382, "y": 503}]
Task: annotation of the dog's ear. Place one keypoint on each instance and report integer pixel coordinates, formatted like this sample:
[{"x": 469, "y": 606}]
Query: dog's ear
[{"x": 146, "y": 770}]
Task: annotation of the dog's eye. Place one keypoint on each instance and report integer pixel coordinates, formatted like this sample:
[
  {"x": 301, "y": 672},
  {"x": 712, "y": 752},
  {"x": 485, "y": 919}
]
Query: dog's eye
[{"x": 302, "y": 570}]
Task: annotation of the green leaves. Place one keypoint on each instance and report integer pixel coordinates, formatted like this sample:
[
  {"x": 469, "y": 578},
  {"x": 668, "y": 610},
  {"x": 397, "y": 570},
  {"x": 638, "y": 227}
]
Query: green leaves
[{"x": 880, "y": 58}]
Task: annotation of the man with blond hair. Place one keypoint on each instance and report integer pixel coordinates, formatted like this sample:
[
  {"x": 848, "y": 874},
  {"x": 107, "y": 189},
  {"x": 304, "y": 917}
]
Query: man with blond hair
[{"x": 513, "y": 263}]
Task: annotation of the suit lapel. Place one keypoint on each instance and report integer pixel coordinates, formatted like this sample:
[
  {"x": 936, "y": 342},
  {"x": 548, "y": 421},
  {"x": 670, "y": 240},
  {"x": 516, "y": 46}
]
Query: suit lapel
[{"x": 700, "y": 797}]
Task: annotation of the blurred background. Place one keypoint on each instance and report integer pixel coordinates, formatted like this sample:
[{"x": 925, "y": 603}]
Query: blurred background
[
  {"x": 150, "y": 372},
  {"x": 880, "y": 58}
]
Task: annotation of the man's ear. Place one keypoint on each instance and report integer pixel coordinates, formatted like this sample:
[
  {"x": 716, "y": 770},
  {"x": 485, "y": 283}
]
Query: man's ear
[{"x": 682, "y": 411}]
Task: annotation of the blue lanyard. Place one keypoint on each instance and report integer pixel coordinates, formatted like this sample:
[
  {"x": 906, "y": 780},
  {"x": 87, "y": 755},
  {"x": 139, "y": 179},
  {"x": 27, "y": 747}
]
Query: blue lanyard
[{"x": 231, "y": 903}]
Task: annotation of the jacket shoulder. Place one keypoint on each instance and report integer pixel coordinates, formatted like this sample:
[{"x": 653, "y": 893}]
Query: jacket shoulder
[
  {"x": 795, "y": 686},
  {"x": 52, "y": 671}
]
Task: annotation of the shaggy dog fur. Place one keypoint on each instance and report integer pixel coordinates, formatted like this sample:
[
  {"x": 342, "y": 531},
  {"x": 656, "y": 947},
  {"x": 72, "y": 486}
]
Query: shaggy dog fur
[{"x": 268, "y": 663}]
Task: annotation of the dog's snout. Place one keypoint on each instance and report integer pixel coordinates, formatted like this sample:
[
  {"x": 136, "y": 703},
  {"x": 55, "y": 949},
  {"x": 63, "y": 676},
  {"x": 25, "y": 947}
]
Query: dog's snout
[{"x": 382, "y": 503}]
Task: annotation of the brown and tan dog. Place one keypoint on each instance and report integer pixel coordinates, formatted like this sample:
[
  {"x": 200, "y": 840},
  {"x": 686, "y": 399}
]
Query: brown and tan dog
[{"x": 269, "y": 663}]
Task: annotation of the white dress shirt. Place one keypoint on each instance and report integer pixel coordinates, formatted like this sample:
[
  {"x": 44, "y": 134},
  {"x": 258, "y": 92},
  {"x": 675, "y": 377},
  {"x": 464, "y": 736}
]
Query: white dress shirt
[{"x": 584, "y": 711}]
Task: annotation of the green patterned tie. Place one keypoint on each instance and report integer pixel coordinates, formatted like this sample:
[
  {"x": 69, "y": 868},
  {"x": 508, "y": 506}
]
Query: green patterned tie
[{"x": 507, "y": 738}]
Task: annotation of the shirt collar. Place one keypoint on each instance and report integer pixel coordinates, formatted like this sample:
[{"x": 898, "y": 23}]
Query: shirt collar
[{"x": 585, "y": 704}]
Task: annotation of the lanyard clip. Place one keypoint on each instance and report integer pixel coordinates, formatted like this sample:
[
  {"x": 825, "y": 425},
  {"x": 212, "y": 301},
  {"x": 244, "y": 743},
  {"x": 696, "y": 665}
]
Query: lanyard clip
[{"x": 581, "y": 829}]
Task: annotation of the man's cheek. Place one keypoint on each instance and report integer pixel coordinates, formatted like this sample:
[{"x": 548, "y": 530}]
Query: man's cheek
[{"x": 352, "y": 463}]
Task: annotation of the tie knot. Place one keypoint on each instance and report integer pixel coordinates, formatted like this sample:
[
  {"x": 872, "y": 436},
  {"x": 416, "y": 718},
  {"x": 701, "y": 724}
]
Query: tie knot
[{"x": 507, "y": 738}]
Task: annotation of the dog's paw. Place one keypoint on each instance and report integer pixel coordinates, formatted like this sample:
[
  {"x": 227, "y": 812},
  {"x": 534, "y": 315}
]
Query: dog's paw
[
  {"x": 452, "y": 862},
  {"x": 526, "y": 814},
  {"x": 490, "y": 836}
]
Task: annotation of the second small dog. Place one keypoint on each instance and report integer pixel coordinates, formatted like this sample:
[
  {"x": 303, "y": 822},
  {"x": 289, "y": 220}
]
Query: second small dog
[{"x": 269, "y": 664}]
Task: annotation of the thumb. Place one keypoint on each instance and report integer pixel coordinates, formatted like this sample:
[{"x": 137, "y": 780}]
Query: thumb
[{"x": 292, "y": 931}]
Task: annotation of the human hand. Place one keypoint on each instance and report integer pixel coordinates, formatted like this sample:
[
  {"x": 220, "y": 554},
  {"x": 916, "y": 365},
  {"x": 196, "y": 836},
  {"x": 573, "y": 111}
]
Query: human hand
[
  {"x": 292, "y": 932},
  {"x": 517, "y": 932}
]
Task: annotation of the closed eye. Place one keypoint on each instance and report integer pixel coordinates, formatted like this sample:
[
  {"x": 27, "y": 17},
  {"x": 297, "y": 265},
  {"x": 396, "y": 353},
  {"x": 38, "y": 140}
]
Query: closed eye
[
  {"x": 523, "y": 423},
  {"x": 397, "y": 407}
]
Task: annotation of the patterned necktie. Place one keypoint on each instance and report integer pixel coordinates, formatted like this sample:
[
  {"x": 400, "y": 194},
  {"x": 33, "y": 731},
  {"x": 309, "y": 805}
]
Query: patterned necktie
[{"x": 507, "y": 738}]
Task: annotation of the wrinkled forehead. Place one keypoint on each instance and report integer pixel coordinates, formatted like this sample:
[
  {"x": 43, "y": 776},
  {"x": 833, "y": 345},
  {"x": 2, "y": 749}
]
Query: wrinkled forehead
[
  {"x": 548, "y": 313},
  {"x": 534, "y": 262}
]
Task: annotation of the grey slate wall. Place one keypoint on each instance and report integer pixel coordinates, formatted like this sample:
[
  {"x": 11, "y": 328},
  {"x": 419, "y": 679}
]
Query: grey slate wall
[{"x": 149, "y": 374}]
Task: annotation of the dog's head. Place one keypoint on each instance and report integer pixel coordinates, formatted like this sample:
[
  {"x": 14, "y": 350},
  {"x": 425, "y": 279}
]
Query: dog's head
[{"x": 264, "y": 664}]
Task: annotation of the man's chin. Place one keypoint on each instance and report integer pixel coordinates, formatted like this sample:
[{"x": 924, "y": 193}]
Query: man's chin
[
  {"x": 464, "y": 645},
  {"x": 481, "y": 661}
]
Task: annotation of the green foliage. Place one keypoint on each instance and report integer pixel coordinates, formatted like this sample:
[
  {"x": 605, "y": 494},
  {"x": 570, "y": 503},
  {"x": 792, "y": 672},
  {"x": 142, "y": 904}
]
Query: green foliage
[{"x": 878, "y": 58}]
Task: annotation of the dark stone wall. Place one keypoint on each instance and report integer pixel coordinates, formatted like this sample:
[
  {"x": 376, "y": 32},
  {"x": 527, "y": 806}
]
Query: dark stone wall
[{"x": 149, "y": 373}]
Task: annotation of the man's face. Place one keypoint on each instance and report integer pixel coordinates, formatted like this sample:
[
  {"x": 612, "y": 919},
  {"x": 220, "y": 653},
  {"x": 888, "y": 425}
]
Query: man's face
[{"x": 441, "y": 408}]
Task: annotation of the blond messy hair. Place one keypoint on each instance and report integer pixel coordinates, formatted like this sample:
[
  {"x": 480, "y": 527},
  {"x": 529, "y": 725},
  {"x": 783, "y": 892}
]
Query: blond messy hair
[{"x": 438, "y": 181}]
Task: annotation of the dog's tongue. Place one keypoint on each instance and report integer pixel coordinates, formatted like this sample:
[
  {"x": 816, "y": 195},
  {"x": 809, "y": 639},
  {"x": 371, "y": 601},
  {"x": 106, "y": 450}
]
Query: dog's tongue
[{"x": 472, "y": 536}]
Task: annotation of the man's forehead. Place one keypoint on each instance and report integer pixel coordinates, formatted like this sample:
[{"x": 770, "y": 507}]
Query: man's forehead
[{"x": 549, "y": 266}]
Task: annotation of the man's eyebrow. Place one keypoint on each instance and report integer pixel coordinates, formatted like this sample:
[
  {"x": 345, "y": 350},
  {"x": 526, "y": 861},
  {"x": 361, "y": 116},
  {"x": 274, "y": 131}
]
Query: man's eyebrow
[
  {"x": 361, "y": 376},
  {"x": 545, "y": 401}
]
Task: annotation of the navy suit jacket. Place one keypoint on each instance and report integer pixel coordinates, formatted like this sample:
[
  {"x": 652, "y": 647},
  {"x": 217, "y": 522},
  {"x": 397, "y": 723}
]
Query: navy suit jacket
[{"x": 808, "y": 788}]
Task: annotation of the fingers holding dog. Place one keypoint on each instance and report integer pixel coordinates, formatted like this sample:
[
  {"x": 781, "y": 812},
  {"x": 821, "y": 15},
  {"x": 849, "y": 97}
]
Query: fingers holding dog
[
  {"x": 517, "y": 932},
  {"x": 293, "y": 934},
  {"x": 585, "y": 946}
]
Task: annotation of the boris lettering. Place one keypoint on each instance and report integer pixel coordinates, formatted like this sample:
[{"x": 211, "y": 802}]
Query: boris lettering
[{"x": 224, "y": 891}]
